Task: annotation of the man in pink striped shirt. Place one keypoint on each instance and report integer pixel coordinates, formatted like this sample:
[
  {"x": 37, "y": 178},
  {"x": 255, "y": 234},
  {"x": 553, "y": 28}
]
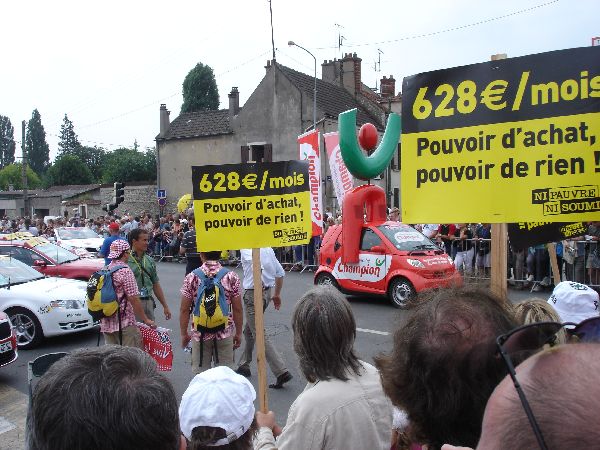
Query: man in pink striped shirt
[
  {"x": 216, "y": 347},
  {"x": 129, "y": 301}
]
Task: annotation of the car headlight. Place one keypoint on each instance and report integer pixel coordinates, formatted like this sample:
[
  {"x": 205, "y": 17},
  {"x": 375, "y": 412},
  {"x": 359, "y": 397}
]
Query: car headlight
[
  {"x": 67, "y": 304},
  {"x": 416, "y": 263}
]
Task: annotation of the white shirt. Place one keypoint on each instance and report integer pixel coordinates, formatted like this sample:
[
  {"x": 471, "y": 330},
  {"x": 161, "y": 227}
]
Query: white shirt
[
  {"x": 429, "y": 229},
  {"x": 271, "y": 268}
]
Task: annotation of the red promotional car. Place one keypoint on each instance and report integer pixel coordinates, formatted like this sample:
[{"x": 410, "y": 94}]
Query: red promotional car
[
  {"x": 8, "y": 340},
  {"x": 394, "y": 260},
  {"x": 48, "y": 258}
]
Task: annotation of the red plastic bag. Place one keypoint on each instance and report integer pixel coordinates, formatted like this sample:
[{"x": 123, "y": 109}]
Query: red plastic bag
[{"x": 157, "y": 343}]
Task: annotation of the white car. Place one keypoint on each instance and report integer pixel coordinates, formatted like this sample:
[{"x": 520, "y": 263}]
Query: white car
[
  {"x": 80, "y": 240},
  {"x": 41, "y": 306}
]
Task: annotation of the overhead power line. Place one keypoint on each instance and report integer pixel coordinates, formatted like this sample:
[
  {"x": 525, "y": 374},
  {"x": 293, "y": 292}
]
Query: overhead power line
[{"x": 447, "y": 30}]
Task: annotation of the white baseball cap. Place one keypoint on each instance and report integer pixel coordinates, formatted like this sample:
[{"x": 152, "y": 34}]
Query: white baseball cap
[
  {"x": 574, "y": 302},
  {"x": 218, "y": 398}
]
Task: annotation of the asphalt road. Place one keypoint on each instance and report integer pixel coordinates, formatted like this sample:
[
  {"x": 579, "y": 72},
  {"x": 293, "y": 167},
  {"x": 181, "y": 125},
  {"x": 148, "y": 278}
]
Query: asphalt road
[{"x": 376, "y": 320}]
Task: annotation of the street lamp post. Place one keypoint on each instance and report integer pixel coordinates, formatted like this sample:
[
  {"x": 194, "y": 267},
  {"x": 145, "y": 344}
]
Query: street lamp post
[{"x": 292, "y": 43}]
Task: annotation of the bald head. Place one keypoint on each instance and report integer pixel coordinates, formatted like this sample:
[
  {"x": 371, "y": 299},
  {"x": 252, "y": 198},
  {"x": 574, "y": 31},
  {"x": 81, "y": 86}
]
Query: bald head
[{"x": 562, "y": 388}]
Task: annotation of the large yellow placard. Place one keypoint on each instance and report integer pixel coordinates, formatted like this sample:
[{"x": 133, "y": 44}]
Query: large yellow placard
[
  {"x": 506, "y": 141},
  {"x": 251, "y": 205}
]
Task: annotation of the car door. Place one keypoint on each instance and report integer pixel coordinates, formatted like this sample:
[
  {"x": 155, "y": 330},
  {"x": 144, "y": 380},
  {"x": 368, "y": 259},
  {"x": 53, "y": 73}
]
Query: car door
[{"x": 369, "y": 275}]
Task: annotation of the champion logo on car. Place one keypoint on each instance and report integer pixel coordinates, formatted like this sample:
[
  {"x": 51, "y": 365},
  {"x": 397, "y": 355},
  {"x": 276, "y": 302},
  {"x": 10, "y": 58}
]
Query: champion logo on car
[
  {"x": 369, "y": 268},
  {"x": 404, "y": 236},
  {"x": 435, "y": 260}
]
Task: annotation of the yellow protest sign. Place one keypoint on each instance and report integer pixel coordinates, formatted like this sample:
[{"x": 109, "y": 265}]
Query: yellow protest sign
[
  {"x": 251, "y": 205},
  {"x": 505, "y": 141}
]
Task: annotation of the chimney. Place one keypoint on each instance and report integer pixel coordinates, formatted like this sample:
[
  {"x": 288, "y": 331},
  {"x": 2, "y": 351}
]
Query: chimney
[
  {"x": 164, "y": 120},
  {"x": 388, "y": 86},
  {"x": 234, "y": 102},
  {"x": 330, "y": 71},
  {"x": 268, "y": 66},
  {"x": 351, "y": 76}
]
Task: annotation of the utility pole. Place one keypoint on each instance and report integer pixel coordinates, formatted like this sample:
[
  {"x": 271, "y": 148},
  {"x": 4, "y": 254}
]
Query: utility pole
[{"x": 24, "y": 170}]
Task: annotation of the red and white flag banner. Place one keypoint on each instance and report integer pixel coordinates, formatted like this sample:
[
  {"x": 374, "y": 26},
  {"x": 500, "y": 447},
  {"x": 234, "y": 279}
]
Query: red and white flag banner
[
  {"x": 157, "y": 343},
  {"x": 342, "y": 179},
  {"x": 308, "y": 148}
]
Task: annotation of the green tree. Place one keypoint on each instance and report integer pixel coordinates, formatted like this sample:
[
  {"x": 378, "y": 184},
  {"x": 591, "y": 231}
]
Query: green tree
[
  {"x": 93, "y": 158},
  {"x": 38, "y": 152},
  {"x": 13, "y": 175},
  {"x": 7, "y": 142},
  {"x": 68, "y": 169},
  {"x": 68, "y": 143},
  {"x": 200, "y": 91},
  {"x": 126, "y": 164}
]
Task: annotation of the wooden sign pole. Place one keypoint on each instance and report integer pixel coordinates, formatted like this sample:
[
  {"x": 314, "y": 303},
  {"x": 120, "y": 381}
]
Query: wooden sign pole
[
  {"x": 499, "y": 260},
  {"x": 554, "y": 262},
  {"x": 261, "y": 361}
]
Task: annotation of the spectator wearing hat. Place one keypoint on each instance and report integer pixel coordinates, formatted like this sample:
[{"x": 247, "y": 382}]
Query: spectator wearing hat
[
  {"x": 574, "y": 302},
  {"x": 217, "y": 410},
  {"x": 113, "y": 229},
  {"x": 121, "y": 328}
]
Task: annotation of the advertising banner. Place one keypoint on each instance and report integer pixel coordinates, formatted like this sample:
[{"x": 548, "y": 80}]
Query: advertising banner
[
  {"x": 251, "y": 205},
  {"x": 341, "y": 178},
  {"x": 504, "y": 141},
  {"x": 308, "y": 149},
  {"x": 528, "y": 234}
]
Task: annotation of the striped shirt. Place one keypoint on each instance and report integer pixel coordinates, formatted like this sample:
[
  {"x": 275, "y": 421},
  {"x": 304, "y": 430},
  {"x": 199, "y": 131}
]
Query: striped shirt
[
  {"x": 125, "y": 286},
  {"x": 231, "y": 285}
]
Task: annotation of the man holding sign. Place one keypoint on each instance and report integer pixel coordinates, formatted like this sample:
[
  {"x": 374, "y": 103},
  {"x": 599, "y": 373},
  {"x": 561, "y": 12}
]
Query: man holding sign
[{"x": 271, "y": 280}]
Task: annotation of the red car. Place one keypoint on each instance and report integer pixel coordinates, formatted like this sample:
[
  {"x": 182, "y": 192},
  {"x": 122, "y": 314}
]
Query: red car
[
  {"x": 394, "y": 260},
  {"x": 48, "y": 258},
  {"x": 8, "y": 341}
]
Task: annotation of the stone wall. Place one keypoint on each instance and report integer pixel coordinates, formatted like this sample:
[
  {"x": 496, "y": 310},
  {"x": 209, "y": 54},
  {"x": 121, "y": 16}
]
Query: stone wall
[{"x": 138, "y": 198}]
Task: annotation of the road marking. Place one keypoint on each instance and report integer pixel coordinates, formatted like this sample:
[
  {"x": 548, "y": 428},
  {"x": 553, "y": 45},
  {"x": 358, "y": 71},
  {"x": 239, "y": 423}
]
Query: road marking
[
  {"x": 365, "y": 330},
  {"x": 5, "y": 425}
]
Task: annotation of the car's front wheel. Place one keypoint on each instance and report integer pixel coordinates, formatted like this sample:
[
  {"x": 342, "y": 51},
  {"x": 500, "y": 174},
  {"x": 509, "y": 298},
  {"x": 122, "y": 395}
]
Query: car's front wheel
[
  {"x": 326, "y": 279},
  {"x": 28, "y": 327},
  {"x": 401, "y": 292}
]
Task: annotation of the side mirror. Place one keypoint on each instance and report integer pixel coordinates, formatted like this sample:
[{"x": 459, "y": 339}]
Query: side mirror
[
  {"x": 39, "y": 263},
  {"x": 378, "y": 249}
]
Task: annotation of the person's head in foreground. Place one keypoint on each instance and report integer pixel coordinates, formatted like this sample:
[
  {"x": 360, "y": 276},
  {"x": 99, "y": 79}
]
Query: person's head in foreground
[
  {"x": 574, "y": 302},
  {"x": 443, "y": 367},
  {"x": 562, "y": 389},
  {"x": 217, "y": 411},
  {"x": 538, "y": 310},
  {"x": 103, "y": 398},
  {"x": 324, "y": 333}
]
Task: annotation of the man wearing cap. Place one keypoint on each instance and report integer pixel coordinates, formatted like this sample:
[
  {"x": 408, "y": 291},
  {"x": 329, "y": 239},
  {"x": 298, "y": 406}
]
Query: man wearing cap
[
  {"x": 272, "y": 280},
  {"x": 217, "y": 409},
  {"x": 144, "y": 270},
  {"x": 574, "y": 302},
  {"x": 113, "y": 229},
  {"x": 126, "y": 332}
]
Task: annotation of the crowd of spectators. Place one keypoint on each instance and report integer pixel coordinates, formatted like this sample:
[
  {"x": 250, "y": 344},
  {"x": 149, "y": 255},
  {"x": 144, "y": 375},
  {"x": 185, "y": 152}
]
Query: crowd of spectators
[{"x": 449, "y": 382}]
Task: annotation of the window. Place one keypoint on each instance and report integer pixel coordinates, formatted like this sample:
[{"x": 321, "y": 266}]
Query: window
[
  {"x": 369, "y": 239},
  {"x": 20, "y": 254}
]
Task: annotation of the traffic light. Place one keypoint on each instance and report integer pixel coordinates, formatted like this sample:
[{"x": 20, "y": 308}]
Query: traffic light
[
  {"x": 119, "y": 194},
  {"x": 109, "y": 207}
]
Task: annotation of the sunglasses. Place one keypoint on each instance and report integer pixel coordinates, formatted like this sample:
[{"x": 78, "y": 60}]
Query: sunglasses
[{"x": 522, "y": 342}]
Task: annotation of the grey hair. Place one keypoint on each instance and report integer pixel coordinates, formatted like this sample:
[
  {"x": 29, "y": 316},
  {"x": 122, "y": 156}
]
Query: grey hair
[
  {"x": 104, "y": 398},
  {"x": 324, "y": 333}
]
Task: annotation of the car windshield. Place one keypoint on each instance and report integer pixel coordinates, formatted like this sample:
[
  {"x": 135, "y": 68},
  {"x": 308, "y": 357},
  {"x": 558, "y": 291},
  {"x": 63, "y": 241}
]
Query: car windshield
[
  {"x": 76, "y": 233},
  {"x": 406, "y": 238},
  {"x": 15, "y": 272},
  {"x": 55, "y": 252}
]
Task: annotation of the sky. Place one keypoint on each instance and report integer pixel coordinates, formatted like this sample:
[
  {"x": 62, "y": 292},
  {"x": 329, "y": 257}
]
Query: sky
[{"x": 109, "y": 65}]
